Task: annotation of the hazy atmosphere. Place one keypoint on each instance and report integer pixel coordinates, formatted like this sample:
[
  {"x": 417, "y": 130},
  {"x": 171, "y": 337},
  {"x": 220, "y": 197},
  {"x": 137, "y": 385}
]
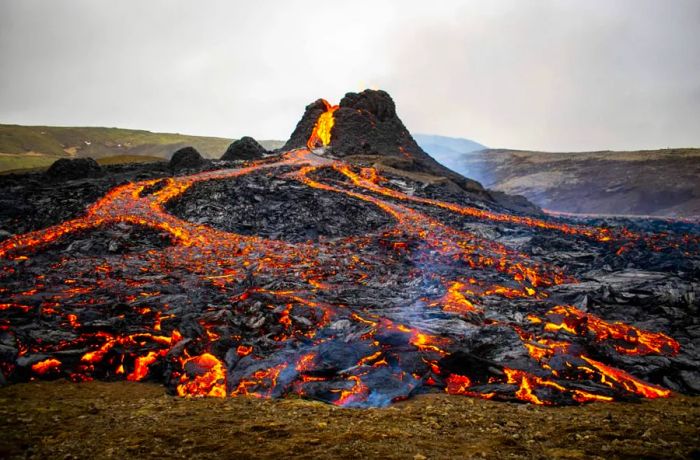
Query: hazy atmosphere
[{"x": 530, "y": 75}]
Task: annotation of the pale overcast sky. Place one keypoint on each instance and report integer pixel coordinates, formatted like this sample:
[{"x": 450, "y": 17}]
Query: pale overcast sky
[{"x": 548, "y": 75}]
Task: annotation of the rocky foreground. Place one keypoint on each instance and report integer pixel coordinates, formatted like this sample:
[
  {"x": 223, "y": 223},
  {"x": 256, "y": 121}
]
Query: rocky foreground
[{"x": 131, "y": 420}]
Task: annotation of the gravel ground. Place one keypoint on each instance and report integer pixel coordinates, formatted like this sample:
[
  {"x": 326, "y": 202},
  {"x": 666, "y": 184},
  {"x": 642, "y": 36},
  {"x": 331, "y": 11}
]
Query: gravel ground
[{"x": 136, "y": 420}]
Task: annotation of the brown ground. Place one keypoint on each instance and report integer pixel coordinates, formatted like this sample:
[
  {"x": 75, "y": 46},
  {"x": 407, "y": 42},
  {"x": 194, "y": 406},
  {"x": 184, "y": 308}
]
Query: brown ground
[{"x": 131, "y": 420}]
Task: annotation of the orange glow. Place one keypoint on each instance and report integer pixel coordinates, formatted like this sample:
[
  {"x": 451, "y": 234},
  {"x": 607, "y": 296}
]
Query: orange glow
[
  {"x": 321, "y": 133},
  {"x": 255, "y": 384},
  {"x": 243, "y": 350},
  {"x": 211, "y": 382},
  {"x": 525, "y": 392},
  {"x": 636, "y": 341},
  {"x": 306, "y": 362},
  {"x": 525, "y": 383},
  {"x": 223, "y": 260},
  {"x": 628, "y": 382},
  {"x": 457, "y": 384},
  {"x": 46, "y": 366},
  {"x": 358, "y": 392},
  {"x": 141, "y": 366},
  {"x": 370, "y": 358},
  {"x": 541, "y": 348},
  {"x": 455, "y": 301}
]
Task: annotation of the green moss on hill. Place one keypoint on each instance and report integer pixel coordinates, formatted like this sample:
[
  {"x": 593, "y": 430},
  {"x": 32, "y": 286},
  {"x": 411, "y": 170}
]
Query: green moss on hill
[{"x": 39, "y": 146}]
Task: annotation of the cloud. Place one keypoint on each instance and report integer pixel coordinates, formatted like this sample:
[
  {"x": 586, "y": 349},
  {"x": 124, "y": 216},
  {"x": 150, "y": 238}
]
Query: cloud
[
  {"x": 557, "y": 76},
  {"x": 541, "y": 75}
]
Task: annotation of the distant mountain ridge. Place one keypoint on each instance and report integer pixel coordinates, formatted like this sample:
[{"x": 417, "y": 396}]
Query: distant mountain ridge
[
  {"x": 645, "y": 182},
  {"x": 435, "y": 144},
  {"x": 447, "y": 150},
  {"x": 24, "y": 147}
]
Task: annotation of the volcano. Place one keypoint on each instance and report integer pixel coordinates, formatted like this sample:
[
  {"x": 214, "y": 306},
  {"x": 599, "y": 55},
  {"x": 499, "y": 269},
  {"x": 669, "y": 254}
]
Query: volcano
[
  {"x": 348, "y": 267},
  {"x": 366, "y": 126}
]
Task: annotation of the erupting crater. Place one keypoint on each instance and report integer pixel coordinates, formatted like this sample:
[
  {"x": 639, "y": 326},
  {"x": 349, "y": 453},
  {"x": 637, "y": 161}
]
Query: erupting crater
[{"x": 401, "y": 299}]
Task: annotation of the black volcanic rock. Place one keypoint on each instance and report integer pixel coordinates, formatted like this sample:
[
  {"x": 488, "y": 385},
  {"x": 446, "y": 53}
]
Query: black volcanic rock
[
  {"x": 366, "y": 123},
  {"x": 70, "y": 169},
  {"x": 301, "y": 275},
  {"x": 245, "y": 148},
  {"x": 257, "y": 204},
  {"x": 185, "y": 158},
  {"x": 265, "y": 283},
  {"x": 376, "y": 102},
  {"x": 516, "y": 203}
]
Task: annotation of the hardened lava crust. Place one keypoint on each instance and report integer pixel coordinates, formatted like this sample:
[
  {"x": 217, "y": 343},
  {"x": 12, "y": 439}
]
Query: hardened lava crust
[{"x": 322, "y": 273}]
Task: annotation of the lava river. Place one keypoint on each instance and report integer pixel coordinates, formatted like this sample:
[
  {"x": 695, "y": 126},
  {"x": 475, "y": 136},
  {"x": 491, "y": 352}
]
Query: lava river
[{"x": 286, "y": 318}]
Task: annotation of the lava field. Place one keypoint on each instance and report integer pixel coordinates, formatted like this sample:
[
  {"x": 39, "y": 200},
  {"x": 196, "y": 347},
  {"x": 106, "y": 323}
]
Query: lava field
[{"x": 315, "y": 271}]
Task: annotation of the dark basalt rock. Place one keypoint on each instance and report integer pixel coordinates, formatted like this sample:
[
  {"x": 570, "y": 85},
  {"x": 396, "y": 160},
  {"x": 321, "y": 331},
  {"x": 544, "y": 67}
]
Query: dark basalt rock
[
  {"x": 110, "y": 239},
  {"x": 245, "y": 148},
  {"x": 186, "y": 158},
  {"x": 30, "y": 202},
  {"x": 256, "y": 204},
  {"x": 331, "y": 291},
  {"x": 71, "y": 169},
  {"x": 516, "y": 203},
  {"x": 366, "y": 124}
]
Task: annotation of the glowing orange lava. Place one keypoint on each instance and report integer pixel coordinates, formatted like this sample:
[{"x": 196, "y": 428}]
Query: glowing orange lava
[
  {"x": 219, "y": 259},
  {"x": 321, "y": 133},
  {"x": 46, "y": 366},
  {"x": 209, "y": 379}
]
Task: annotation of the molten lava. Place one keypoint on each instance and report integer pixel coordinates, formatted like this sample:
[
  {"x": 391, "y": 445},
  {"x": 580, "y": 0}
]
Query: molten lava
[
  {"x": 292, "y": 358},
  {"x": 321, "y": 133}
]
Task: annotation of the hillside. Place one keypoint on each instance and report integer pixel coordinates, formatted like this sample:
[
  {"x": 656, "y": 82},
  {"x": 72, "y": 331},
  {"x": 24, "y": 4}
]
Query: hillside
[
  {"x": 24, "y": 147},
  {"x": 646, "y": 182}
]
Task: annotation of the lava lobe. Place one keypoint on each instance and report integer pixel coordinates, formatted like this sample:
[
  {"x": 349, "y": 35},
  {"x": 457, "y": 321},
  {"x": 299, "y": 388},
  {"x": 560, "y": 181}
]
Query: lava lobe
[
  {"x": 348, "y": 268},
  {"x": 275, "y": 208}
]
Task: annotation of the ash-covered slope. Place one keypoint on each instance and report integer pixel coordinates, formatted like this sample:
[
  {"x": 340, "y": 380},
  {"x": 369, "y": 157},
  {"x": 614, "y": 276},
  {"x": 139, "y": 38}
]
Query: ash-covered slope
[{"x": 304, "y": 273}]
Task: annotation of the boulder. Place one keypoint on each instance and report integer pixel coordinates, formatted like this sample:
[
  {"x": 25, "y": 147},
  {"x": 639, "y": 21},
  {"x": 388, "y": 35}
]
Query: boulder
[
  {"x": 245, "y": 148},
  {"x": 70, "y": 169},
  {"x": 186, "y": 158}
]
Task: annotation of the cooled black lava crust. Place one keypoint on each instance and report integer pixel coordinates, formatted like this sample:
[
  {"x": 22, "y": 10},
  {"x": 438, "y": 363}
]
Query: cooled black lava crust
[{"x": 282, "y": 209}]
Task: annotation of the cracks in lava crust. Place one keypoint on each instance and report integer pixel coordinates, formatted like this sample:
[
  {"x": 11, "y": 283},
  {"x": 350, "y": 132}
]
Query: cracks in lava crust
[{"x": 357, "y": 320}]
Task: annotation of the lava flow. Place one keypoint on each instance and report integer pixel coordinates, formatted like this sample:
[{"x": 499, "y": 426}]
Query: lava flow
[
  {"x": 419, "y": 304},
  {"x": 321, "y": 133}
]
